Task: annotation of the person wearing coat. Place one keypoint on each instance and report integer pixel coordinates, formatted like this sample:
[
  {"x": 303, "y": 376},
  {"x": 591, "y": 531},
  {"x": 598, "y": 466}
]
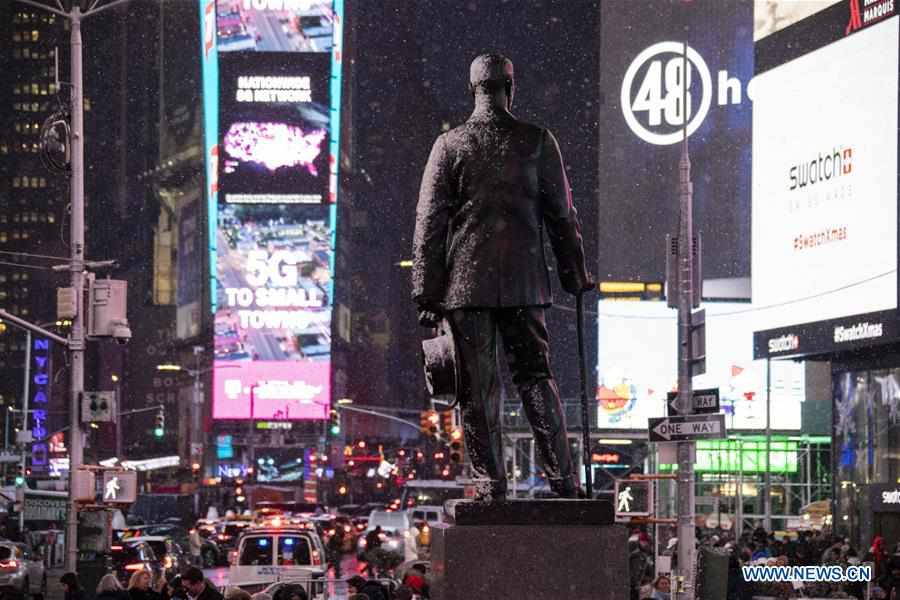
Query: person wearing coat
[{"x": 493, "y": 190}]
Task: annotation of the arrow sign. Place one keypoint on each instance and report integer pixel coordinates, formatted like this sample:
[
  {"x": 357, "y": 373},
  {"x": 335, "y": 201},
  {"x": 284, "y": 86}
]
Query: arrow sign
[
  {"x": 703, "y": 402},
  {"x": 686, "y": 428}
]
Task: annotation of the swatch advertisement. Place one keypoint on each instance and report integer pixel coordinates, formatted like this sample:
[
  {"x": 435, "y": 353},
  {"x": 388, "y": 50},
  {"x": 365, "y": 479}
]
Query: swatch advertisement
[
  {"x": 825, "y": 187},
  {"x": 637, "y": 367}
]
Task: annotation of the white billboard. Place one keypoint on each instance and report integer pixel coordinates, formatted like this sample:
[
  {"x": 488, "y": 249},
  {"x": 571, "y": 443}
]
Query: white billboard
[
  {"x": 824, "y": 225},
  {"x": 637, "y": 367}
]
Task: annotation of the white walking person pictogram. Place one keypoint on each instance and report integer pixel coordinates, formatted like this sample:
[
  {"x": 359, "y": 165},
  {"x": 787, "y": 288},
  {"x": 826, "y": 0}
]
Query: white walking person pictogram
[
  {"x": 625, "y": 499},
  {"x": 112, "y": 489}
]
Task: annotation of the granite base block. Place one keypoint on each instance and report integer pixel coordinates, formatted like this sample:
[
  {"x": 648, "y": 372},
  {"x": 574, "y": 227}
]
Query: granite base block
[{"x": 536, "y": 561}]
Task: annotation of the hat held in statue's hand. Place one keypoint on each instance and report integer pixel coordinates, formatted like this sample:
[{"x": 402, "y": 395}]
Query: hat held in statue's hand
[{"x": 439, "y": 362}]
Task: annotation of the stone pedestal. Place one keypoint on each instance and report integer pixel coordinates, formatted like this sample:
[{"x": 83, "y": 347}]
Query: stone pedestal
[{"x": 531, "y": 550}]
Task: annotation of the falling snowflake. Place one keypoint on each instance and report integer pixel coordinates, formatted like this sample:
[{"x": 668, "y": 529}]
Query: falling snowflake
[
  {"x": 274, "y": 145},
  {"x": 890, "y": 396}
]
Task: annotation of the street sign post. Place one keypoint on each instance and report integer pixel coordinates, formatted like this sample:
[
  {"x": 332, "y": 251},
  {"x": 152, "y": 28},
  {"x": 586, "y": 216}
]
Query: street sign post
[
  {"x": 687, "y": 428},
  {"x": 702, "y": 402}
]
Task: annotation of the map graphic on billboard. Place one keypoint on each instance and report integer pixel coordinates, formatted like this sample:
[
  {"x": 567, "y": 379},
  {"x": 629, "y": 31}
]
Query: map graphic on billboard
[{"x": 275, "y": 128}]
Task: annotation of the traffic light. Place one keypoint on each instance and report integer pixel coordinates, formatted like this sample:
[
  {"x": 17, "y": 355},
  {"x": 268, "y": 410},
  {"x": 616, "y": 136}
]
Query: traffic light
[
  {"x": 20, "y": 476},
  {"x": 335, "y": 422},
  {"x": 448, "y": 421},
  {"x": 160, "y": 429},
  {"x": 429, "y": 421},
  {"x": 456, "y": 446}
]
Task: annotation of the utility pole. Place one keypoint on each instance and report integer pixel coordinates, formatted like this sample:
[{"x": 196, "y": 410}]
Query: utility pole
[
  {"x": 685, "y": 482},
  {"x": 76, "y": 341},
  {"x": 76, "y": 336}
]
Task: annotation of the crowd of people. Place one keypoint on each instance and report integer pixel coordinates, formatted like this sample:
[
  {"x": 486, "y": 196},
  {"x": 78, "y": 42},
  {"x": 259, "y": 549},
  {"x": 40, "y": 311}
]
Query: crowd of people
[
  {"x": 193, "y": 585},
  {"x": 762, "y": 548}
]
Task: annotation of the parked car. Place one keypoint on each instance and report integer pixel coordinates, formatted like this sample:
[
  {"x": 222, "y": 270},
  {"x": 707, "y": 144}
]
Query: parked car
[
  {"x": 168, "y": 552},
  {"x": 21, "y": 572},
  {"x": 128, "y": 557},
  {"x": 269, "y": 554}
]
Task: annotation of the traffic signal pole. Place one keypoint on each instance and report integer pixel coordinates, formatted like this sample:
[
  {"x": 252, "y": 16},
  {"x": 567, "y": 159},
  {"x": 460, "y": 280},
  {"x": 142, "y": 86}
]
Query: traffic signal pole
[
  {"x": 76, "y": 342},
  {"x": 76, "y": 336}
]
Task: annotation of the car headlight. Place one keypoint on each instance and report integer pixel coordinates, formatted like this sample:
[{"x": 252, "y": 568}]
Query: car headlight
[{"x": 392, "y": 544}]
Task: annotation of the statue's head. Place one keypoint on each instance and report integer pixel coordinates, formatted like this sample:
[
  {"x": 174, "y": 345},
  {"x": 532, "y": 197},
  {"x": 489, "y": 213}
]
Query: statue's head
[{"x": 491, "y": 74}]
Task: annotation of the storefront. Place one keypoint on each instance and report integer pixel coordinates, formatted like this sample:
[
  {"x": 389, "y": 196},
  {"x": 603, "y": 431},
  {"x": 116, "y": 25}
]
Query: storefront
[{"x": 867, "y": 447}]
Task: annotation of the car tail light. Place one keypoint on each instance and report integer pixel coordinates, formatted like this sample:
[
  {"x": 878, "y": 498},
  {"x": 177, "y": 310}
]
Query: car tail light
[
  {"x": 316, "y": 558},
  {"x": 11, "y": 564},
  {"x": 115, "y": 548},
  {"x": 168, "y": 562},
  {"x": 134, "y": 567},
  {"x": 346, "y": 529},
  {"x": 363, "y": 542},
  {"x": 232, "y": 557}
]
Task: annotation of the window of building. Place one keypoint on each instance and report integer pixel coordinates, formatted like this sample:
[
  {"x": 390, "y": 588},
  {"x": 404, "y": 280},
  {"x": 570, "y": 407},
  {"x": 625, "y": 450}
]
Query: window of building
[
  {"x": 17, "y": 37},
  {"x": 17, "y": 182},
  {"x": 26, "y": 52}
]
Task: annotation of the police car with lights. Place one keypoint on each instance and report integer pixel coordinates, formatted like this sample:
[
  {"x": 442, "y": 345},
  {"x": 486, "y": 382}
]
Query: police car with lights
[{"x": 277, "y": 551}]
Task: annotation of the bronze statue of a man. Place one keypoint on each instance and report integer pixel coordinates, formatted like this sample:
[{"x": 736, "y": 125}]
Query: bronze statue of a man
[{"x": 492, "y": 189}]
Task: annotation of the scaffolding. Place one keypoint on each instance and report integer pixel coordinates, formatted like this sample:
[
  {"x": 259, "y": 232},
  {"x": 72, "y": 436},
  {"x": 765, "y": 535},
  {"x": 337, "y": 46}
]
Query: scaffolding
[{"x": 730, "y": 473}]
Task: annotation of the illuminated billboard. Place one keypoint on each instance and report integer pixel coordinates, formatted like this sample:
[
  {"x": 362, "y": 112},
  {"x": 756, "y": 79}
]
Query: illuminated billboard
[
  {"x": 272, "y": 73},
  {"x": 274, "y": 126},
  {"x": 637, "y": 367},
  {"x": 824, "y": 232},
  {"x": 275, "y": 25},
  {"x": 273, "y": 327}
]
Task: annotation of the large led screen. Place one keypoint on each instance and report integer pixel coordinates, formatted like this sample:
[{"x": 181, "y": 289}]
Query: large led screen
[
  {"x": 275, "y": 25},
  {"x": 273, "y": 326},
  {"x": 274, "y": 127},
  {"x": 640, "y": 126},
  {"x": 637, "y": 367},
  {"x": 824, "y": 232}
]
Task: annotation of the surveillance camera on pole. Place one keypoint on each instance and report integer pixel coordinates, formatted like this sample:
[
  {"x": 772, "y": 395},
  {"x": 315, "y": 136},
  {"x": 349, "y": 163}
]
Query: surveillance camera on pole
[{"x": 107, "y": 307}]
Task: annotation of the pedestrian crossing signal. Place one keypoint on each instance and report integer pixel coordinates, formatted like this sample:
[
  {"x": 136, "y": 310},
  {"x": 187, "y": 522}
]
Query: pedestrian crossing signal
[{"x": 634, "y": 498}]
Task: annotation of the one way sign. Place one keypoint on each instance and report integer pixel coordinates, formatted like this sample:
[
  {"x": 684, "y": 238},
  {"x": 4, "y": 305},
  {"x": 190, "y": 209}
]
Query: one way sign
[
  {"x": 690, "y": 427},
  {"x": 702, "y": 402}
]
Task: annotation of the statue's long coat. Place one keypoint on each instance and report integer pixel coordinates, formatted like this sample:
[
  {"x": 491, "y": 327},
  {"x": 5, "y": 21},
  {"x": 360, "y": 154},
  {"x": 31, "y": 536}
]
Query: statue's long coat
[{"x": 492, "y": 189}]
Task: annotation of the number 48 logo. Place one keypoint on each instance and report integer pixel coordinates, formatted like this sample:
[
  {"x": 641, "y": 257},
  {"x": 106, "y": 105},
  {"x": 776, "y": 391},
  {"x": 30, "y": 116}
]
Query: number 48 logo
[{"x": 662, "y": 103}]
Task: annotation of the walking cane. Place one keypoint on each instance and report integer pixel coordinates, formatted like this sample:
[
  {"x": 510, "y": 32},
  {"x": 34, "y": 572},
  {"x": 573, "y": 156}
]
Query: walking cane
[{"x": 585, "y": 425}]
